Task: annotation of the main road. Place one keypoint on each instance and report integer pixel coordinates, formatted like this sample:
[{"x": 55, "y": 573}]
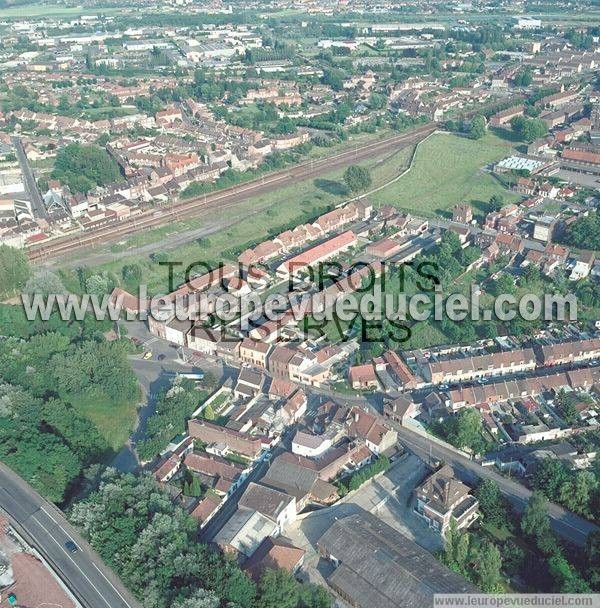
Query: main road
[
  {"x": 566, "y": 524},
  {"x": 226, "y": 198},
  {"x": 37, "y": 204},
  {"x": 44, "y": 527}
]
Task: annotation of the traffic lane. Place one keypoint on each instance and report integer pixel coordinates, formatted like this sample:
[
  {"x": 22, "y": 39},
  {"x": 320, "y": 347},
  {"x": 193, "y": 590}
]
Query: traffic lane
[
  {"x": 44, "y": 527},
  {"x": 564, "y": 523},
  {"x": 82, "y": 574}
]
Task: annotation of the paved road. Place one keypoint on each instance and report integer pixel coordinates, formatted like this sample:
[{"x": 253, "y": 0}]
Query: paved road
[
  {"x": 45, "y": 528},
  {"x": 566, "y": 524},
  {"x": 37, "y": 204}
]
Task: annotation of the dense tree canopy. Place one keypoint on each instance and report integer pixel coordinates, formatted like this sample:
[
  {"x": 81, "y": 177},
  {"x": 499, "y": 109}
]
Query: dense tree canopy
[
  {"x": 584, "y": 232},
  {"x": 46, "y": 370},
  {"x": 14, "y": 270},
  {"x": 151, "y": 542},
  {"x": 82, "y": 167},
  {"x": 528, "y": 129}
]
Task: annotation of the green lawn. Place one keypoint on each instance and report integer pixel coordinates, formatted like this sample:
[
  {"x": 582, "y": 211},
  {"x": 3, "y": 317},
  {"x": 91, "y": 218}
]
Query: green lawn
[
  {"x": 447, "y": 170},
  {"x": 114, "y": 421}
]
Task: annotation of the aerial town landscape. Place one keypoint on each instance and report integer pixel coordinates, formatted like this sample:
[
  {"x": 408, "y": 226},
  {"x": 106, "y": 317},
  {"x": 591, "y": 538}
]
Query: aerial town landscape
[{"x": 299, "y": 303}]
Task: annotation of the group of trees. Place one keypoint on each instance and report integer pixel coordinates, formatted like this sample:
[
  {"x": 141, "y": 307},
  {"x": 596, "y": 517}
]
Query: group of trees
[
  {"x": 151, "y": 543},
  {"x": 14, "y": 271},
  {"x": 578, "y": 491},
  {"x": 584, "y": 232},
  {"x": 476, "y": 560},
  {"x": 81, "y": 167},
  {"x": 528, "y": 129},
  {"x": 173, "y": 408},
  {"x": 46, "y": 369},
  {"x": 540, "y": 562},
  {"x": 535, "y": 525},
  {"x": 357, "y": 479}
]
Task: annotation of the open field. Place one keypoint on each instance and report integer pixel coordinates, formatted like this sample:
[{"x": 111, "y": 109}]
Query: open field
[
  {"x": 114, "y": 421},
  {"x": 448, "y": 169},
  {"x": 267, "y": 214}
]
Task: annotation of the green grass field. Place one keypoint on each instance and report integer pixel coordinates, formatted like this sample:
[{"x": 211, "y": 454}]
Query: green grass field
[
  {"x": 447, "y": 169},
  {"x": 114, "y": 421}
]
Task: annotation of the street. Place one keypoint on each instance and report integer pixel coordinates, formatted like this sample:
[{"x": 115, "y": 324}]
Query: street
[
  {"x": 566, "y": 524},
  {"x": 45, "y": 528},
  {"x": 37, "y": 204}
]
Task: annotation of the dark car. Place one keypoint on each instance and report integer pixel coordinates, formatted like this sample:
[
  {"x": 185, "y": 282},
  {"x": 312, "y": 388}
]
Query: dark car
[
  {"x": 161, "y": 357},
  {"x": 71, "y": 546}
]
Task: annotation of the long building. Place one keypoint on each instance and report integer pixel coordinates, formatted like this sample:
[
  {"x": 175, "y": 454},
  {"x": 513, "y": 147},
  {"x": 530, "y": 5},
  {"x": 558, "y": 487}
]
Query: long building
[
  {"x": 324, "y": 251},
  {"x": 527, "y": 387},
  {"x": 481, "y": 366},
  {"x": 570, "y": 352},
  {"x": 234, "y": 441},
  {"x": 375, "y": 565}
]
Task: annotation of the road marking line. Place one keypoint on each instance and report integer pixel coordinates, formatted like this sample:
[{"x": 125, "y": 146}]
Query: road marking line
[
  {"x": 49, "y": 515},
  {"x": 72, "y": 560},
  {"x": 108, "y": 581}
]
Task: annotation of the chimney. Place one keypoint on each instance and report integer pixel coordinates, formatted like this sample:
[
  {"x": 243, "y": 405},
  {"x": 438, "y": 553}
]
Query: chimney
[{"x": 446, "y": 490}]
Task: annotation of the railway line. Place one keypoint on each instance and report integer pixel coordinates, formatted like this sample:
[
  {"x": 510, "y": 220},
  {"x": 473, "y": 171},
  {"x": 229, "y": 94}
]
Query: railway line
[{"x": 222, "y": 199}]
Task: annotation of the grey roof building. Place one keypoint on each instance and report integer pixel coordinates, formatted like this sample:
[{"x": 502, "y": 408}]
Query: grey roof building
[{"x": 376, "y": 565}]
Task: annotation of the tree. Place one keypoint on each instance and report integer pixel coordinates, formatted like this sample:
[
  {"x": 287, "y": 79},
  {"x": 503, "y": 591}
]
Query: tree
[
  {"x": 466, "y": 429},
  {"x": 549, "y": 475},
  {"x": 528, "y": 129},
  {"x": 131, "y": 273},
  {"x": 496, "y": 202},
  {"x": 566, "y": 407},
  {"x": 82, "y": 167},
  {"x": 492, "y": 504},
  {"x": 477, "y": 127},
  {"x": 200, "y": 599},
  {"x": 576, "y": 492},
  {"x": 277, "y": 589},
  {"x": 356, "y": 178},
  {"x": 377, "y": 101},
  {"x": 564, "y": 578},
  {"x": 44, "y": 282},
  {"x": 489, "y": 565},
  {"x": 457, "y": 549},
  {"x": 14, "y": 270},
  {"x": 98, "y": 284},
  {"x": 535, "y": 521},
  {"x": 208, "y": 412}
]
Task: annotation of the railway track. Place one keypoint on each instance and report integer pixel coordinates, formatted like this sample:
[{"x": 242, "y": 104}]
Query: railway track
[{"x": 222, "y": 199}]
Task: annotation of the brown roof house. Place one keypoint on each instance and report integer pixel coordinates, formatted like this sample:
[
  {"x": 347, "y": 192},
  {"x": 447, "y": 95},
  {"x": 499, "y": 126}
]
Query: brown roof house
[
  {"x": 276, "y": 554},
  {"x": 369, "y": 427},
  {"x": 442, "y": 497}
]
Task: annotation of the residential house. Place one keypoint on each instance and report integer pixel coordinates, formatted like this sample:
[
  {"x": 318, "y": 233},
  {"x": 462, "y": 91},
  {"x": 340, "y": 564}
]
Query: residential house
[{"x": 442, "y": 497}]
